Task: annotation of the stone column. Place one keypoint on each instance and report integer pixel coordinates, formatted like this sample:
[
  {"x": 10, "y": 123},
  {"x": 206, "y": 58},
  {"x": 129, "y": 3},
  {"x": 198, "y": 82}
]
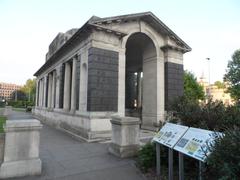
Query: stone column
[
  {"x": 53, "y": 95},
  {"x": 160, "y": 91},
  {"x": 21, "y": 151},
  {"x": 139, "y": 91},
  {"x": 125, "y": 136},
  {"x": 37, "y": 93},
  {"x": 83, "y": 82},
  {"x": 73, "y": 89},
  {"x": 121, "y": 82},
  {"x": 49, "y": 90},
  {"x": 57, "y": 74},
  {"x": 45, "y": 91},
  {"x": 42, "y": 92},
  {"x": 67, "y": 88}
]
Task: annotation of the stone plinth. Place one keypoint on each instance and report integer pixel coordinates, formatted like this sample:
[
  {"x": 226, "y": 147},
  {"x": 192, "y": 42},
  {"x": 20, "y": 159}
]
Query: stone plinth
[
  {"x": 125, "y": 136},
  {"x": 21, "y": 151}
]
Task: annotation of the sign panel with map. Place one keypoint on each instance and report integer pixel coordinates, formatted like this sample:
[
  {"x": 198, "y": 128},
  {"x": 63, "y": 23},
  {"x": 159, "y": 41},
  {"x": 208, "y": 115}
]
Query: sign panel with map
[
  {"x": 195, "y": 143},
  {"x": 169, "y": 134}
]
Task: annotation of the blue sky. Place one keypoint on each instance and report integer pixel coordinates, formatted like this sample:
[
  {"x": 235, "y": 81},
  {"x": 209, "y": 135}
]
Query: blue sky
[{"x": 211, "y": 28}]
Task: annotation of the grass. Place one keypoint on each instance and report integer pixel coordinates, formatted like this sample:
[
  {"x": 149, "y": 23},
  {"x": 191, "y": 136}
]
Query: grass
[{"x": 2, "y": 121}]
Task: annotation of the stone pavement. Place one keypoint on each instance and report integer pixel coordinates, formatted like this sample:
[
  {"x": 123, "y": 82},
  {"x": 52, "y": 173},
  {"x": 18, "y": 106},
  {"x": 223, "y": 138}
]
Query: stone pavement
[{"x": 65, "y": 158}]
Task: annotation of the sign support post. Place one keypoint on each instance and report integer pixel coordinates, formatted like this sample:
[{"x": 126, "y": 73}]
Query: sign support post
[
  {"x": 181, "y": 166},
  {"x": 158, "y": 161},
  {"x": 170, "y": 164},
  {"x": 201, "y": 167},
  {"x": 187, "y": 141}
]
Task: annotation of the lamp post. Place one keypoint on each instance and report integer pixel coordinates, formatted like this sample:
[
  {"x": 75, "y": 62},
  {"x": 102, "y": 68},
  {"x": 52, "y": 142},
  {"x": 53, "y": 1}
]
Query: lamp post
[{"x": 209, "y": 83}]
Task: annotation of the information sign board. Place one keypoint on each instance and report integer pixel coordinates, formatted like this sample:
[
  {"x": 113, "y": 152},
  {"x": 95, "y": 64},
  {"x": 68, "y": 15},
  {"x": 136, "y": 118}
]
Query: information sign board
[
  {"x": 195, "y": 143},
  {"x": 169, "y": 134}
]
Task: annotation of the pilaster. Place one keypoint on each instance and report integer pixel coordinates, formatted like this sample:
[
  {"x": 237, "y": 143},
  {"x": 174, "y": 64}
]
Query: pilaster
[
  {"x": 44, "y": 91},
  {"x": 67, "y": 87},
  {"x": 73, "y": 89},
  {"x": 53, "y": 94},
  {"x": 57, "y": 74},
  {"x": 50, "y": 76}
]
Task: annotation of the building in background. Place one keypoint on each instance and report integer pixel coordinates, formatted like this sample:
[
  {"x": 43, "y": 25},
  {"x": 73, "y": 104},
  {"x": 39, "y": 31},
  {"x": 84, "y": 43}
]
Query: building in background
[
  {"x": 215, "y": 92},
  {"x": 6, "y": 90}
]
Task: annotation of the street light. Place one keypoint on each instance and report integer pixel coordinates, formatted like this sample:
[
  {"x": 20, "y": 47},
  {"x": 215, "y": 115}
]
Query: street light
[
  {"x": 208, "y": 70},
  {"x": 209, "y": 83}
]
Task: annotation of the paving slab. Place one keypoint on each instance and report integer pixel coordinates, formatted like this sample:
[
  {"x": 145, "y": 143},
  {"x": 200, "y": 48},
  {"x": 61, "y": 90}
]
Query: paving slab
[{"x": 64, "y": 158}]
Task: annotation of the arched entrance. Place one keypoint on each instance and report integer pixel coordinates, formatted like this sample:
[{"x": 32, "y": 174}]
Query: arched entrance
[{"x": 141, "y": 78}]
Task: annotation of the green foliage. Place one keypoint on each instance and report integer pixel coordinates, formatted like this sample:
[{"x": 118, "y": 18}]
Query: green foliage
[
  {"x": 192, "y": 90},
  {"x": 2, "y": 104},
  {"x": 18, "y": 104},
  {"x": 219, "y": 84},
  {"x": 18, "y": 95},
  {"x": 187, "y": 111},
  {"x": 233, "y": 75},
  {"x": 30, "y": 89},
  {"x": 147, "y": 157},
  {"x": 212, "y": 116},
  {"x": 2, "y": 122},
  {"x": 224, "y": 161}
]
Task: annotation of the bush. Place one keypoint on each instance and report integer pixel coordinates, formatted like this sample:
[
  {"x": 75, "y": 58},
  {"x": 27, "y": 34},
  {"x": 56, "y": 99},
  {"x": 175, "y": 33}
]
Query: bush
[
  {"x": 224, "y": 161},
  {"x": 2, "y": 122},
  {"x": 232, "y": 117},
  {"x": 147, "y": 157},
  {"x": 212, "y": 116},
  {"x": 2, "y": 104},
  {"x": 17, "y": 104}
]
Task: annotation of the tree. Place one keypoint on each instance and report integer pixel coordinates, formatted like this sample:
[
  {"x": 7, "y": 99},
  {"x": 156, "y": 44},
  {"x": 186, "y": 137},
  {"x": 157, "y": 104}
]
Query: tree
[
  {"x": 18, "y": 95},
  {"x": 219, "y": 84},
  {"x": 192, "y": 90},
  {"x": 233, "y": 75},
  {"x": 29, "y": 89}
]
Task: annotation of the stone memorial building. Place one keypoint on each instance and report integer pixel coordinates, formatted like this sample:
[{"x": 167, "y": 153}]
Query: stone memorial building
[{"x": 130, "y": 65}]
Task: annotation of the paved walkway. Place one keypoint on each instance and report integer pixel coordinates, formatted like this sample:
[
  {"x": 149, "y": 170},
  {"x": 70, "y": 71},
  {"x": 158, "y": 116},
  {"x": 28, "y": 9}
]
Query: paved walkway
[{"x": 65, "y": 158}]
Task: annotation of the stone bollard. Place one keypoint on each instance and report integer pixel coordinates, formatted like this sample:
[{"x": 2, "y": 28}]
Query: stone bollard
[
  {"x": 125, "y": 136},
  {"x": 21, "y": 151}
]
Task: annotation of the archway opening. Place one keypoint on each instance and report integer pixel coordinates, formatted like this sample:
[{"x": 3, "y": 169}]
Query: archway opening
[{"x": 140, "y": 75}]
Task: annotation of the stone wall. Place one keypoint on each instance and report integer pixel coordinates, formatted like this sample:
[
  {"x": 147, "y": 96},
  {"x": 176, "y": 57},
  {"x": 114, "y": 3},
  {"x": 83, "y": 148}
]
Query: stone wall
[
  {"x": 173, "y": 82},
  {"x": 102, "y": 80}
]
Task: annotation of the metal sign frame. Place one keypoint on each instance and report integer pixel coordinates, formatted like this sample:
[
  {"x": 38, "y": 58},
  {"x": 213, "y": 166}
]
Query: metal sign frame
[
  {"x": 168, "y": 136},
  {"x": 192, "y": 142}
]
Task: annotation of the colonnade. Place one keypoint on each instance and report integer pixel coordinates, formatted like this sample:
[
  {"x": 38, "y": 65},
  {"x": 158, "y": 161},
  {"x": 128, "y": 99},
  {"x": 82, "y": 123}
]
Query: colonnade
[{"x": 49, "y": 87}]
